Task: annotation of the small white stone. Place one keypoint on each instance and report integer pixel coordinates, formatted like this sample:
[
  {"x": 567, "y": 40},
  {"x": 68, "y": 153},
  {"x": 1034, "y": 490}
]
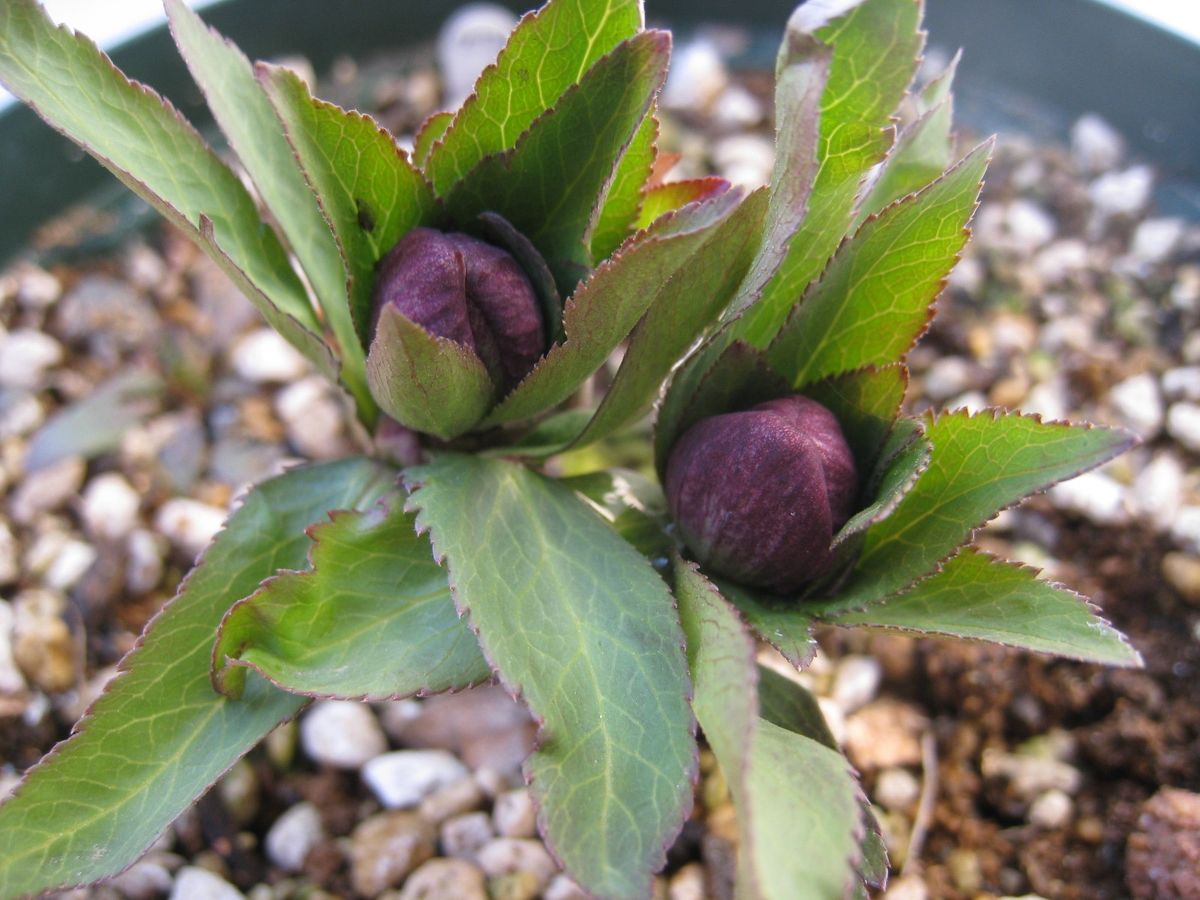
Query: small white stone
[
  {"x": 73, "y": 559},
  {"x": 1158, "y": 491},
  {"x": 1182, "y": 383},
  {"x": 25, "y": 355},
  {"x": 506, "y": 856},
  {"x": 736, "y": 108},
  {"x": 189, "y": 524},
  {"x": 194, "y": 883},
  {"x": 341, "y": 733},
  {"x": 897, "y": 789},
  {"x": 462, "y": 836},
  {"x": 1067, "y": 333},
  {"x": 468, "y": 42},
  {"x": 144, "y": 880},
  {"x": 11, "y": 679},
  {"x": 144, "y": 566},
  {"x": 946, "y": 377},
  {"x": 37, "y": 289},
  {"x": 1123, "y": 193},
  {"x": 1138, "y": 401},
  {"x": 515, "y": 815},
  {"x": 968, "y": 276},
  {"x": 835, "y": 719},
  {"x": 1019, "y": 226},
  {"x": 1093, "y": 495},
  {"x": 1156, "y": 239},
  {"x": 696, "y": 78},
  {"x": 1183, "y": 424},
  {"x": 21, "y": 416},
  {"x": 9, "y": 567},
  {"x": 1030, "y": 775},
  {"x": 1095, "y": 145},
  {"x": 265, "y": 356},
  {"x": 1060, "y": 260},
  {"x": 110, "y": 507},
  {"x": 1051, "y": 810},
  {"x": 745, "y": 159},
  {"x": 47, "y": 489},
  {"x": 1185, "y": 530},
  {"x": 293, "y": 835},
  {"x": 564, "y": 888},
  {"x": 971, "y": 401},
  {"x": 856, "y": 681},
  {"x": 1047, "y": 399},
  {"x": 404, "y": 778},
  {"x": 313, "y": 418}
]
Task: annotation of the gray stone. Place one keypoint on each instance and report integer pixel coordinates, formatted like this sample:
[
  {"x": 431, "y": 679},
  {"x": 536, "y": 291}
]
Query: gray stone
[
  {"x": 194, "y": 883},
  {"x": 1093, "y": 495},
  {"x": 46, "y": 489},
  {"x": 144, "y": 561},
  {"x": 341, "y": 733},
  {"x": 25, "y": 355},
  {"x": 189, "y": 525},
  {"x": 1138, "y": 402},
  {"x": 406, "y": 777},
  {"x": 467, "y": 43},
  {"x": 1061, "y": 260},
  {"x": 515, "y": 815},
  {"x": 108, "y": 313},
  {"x": 1183, "y": 424},
  {"x": 856, "y": 681},
  {"x": 20, "y": 413},
  {"x": 313, "y": 417},
  {"x": 1095, "y": 145},
  {"x": 1155, "y": 240},
  {"x": 948, "y": 376},
  {"x": 1019, "y": 226},
  {"x": 1158, "y": 490},
  {"x": 1182, "y": 383},
  {"x": 464, "y": 835},
  {"x": 506, "y": 856},
  {"x": 385, "y": 848},
  {"x": 144, "y": 880},
  {"x": 1123, "y": 193},
  {"x": 445, "y": 879},
  {"x": 110, "y": 507},
  {"x": 70, "y": 563},
  {"x": 462, "y": 796},
  {"x": 264, "y": 356},
  {"x": 1047, "y": 399},
  {"x": 293, "y": 835}
]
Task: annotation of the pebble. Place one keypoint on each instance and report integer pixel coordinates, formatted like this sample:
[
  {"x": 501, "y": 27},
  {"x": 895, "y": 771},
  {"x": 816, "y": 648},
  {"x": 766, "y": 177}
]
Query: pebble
[
  {"x": 239, "y": 792},
  {"x": 144, "y": 880},
  {"x": 293, "y": 835},
  {"x": 1185, "y": 530},
  {"x": 947, "y": 377},
  {"x": 107, "y": 313},
  {"x": 9, "y": 567},
  {"x": 483, "y": 726},
  {"x": 1155, "y": 240},
  {"x": 1162, "y": 857},
  {"x": 11, "y": 679},
  {"x": 462, "y": 796},
  {"x": 1182, "y": 572},
  {"x": 689, "y": 883},
  {"x": 1095, "y": 496},
  {"x": 189, "y": 525},
  {"x": 1158, "y": 490},
  {"x": 144, "y": 560},
  {"x": 264, "y": 356},
  {"x": 1182, "y": 383},
  {"x": 72, "y": 560},
  {"x": 385, "y": 848},
  {"x": 1095, "y": 145},
  {"x": 1047, "y": 399},
  {"x": 515, "y": 815},
  {"x": 37, "y": 289},
  {"x": 445, "y": 879},
  {"x": 1138, "y": 402},
  {"x": 696, "y": 79},
  {"x": 897, "y": 789},
  {"x": 313, "y": 418},
  {"x": 468, "y": 42},
  {"x": 42, "y": 645},
  {"x": 464, "y": 835},
  {"x": 46, "y": 489},
  {"x": 744, "y": 159},
  {"x": 514, "y": 886},
  {"x": 342, "y": 733},
  {"x": 1123, "y": 193},
  {"x": 1183, "y": 424},
  {"x": 563, "y": 887},
  {"x": 907, "y": 887},
  {"x": 1019, "y": 226},
  {"x": 20, "y": 414},
  {"x": 507, "y": 856},
  {"x": 1030, "y": 775},
  {"x": 969, "y": 276},
  {"x": 110, "y": 507},
  {"x": 835, "y": 718},
  {"x": 1051, "y": 810},
  {"x": 856, "y": 681},
  {"x": 737, "y": 109},
  {"x": 194, "y": 883},
  {"x": 1061, "y": 260},
  {"x": 405, "y": 777},
  {"x": 25, "y": 355},
  {"x": 885, "y": 734}
]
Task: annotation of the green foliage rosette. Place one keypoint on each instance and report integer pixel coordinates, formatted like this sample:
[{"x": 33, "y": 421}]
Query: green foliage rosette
[{"x": 366, "y": 579}]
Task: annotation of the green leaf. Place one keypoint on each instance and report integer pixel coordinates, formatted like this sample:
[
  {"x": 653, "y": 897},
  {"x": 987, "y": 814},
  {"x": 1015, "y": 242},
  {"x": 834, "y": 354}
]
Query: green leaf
[
  {"x": 427, "y": 383},
  {"x": 874, "y": 300},
  {"x": 245, "y": 115},
  {"x": 633, "y": 505},
  {"x": 665, "y": 198},
  {"x": 368, "y": 189},
  {"x": 875, "y": 50},
  {"x": 548, "y": 184},
  {"x": 609, "y": 304},
  {"x": 981, "y": 464},
  {"x": 579, "y": 624},
  {"x": 799, "y": 818},
  {"x": 372, "y": 619},
  {"x": 684, "y": 306},
  {"x": 784, "y": 623},
  {"x": 144, "y": 142},
  {"x": 430, "y": 132},
  {"x": 547, "y": 438},
  {"x": 979, "y": 597},
  {"x": 922, "y": 152},
  {"x": 548, "y": 52},
  {"x": 96, "y": 423},
  {"x": 159, "y": 735},
  {"x": 615, "y": 218}
]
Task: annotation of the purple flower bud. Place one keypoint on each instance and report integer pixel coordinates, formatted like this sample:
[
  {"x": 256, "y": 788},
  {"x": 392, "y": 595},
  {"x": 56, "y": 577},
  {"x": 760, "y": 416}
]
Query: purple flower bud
[
  {"x": 460, "y": 288},
  {"x": 758, "y": 495}
]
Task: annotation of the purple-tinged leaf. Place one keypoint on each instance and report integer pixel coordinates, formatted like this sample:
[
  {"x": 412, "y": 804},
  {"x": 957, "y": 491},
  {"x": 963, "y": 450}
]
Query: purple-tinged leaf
[
  {"x": 664, "y": 198},
  {"x": 616, "y": 218}
]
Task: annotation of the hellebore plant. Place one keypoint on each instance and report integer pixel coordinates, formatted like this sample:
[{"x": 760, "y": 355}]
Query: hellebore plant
[{"x": 463, "y": 295}]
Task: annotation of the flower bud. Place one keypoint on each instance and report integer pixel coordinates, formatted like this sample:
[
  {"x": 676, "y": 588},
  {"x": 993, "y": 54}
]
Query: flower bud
[
  {"x": 758, "y": 495},
  {"x": 467, "y": 291}
]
